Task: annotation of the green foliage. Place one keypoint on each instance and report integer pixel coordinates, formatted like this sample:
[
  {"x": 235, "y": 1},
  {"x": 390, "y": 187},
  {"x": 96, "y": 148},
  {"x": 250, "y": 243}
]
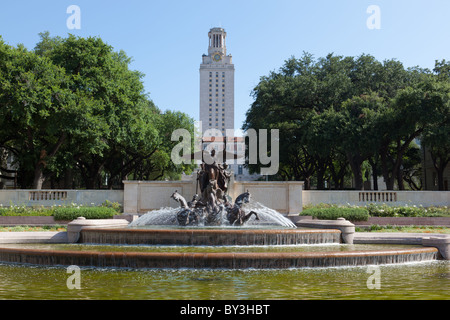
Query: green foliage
[
  {"x": 115, "y": 205},
  {"x": 333, "y": 213},
  {"x": 66, "y": 212},
  {"x": 337, "y": 112},
  {"x": 407, "y": 211},
  {"x": 22, "y": 211},
  {"x": 71, "y": 213},
  {"x": 376, "y": 210},
  {"x": 73, "y": 112}
]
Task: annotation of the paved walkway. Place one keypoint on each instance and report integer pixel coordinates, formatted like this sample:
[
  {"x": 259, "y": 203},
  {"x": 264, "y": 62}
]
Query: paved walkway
[
  {"x": 394, "y": 237},
  {"x": 33, "y": 237}
]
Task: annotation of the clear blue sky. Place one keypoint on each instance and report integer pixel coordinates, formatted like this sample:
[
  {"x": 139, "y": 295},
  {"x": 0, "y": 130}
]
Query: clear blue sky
[{"x": 167, "y": 38}]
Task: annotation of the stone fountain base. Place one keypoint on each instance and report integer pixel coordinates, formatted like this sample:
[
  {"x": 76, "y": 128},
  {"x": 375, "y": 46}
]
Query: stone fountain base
[{"x": 265, "y": 260}]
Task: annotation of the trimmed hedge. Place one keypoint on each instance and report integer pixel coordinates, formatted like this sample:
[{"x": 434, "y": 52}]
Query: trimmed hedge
[
  {"x": 71, "y": 213},
  {"x": 333, "y": 213},
  {"x": 62, "y": 213}
]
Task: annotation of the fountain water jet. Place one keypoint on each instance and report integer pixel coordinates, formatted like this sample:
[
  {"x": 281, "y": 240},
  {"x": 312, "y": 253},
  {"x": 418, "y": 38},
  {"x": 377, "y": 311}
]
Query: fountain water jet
[{"x": 213, "y": 207}]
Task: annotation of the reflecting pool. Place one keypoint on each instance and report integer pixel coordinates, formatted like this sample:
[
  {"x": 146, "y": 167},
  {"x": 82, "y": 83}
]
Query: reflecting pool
[{"x": 424, "y": 280}]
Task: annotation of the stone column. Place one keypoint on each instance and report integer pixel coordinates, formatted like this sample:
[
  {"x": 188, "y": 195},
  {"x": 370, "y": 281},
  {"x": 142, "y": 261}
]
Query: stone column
[
  {"x": 295, "y": 205},
  {"x": 130, "y": 197}
]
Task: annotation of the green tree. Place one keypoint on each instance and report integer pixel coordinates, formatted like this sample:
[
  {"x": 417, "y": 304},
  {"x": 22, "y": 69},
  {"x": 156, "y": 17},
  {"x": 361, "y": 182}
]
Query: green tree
[
  {"x": 73, "y": 113},
  {"x": 435, "y": 137},
  {"x": 357, "y": 131},
  {"x": 305, "y": 100},
  {"x": 413, "y": 112},
  {"x": 37, "y": 112}
]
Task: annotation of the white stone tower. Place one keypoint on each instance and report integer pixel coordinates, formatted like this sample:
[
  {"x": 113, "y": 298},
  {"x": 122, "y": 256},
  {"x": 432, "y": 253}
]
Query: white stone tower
[{"x": 217, "y": 85}]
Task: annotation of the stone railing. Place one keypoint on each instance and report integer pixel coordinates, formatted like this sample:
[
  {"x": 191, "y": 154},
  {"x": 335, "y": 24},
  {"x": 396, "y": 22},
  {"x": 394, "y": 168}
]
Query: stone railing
[
  {"x": 47, "y": 195},
  {"x": 377, "y": 196},
  {"x": 391, "y": 198},
  {"x": 48, "y": 198}
]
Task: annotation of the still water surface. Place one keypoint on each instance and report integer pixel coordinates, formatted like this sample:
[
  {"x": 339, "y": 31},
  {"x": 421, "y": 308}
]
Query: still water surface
[{"x": 426, "y": 280}]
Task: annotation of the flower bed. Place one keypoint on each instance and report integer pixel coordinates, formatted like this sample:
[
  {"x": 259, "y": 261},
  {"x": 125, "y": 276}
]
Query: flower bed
[
  {"x": 22, "y": 215},
  {"x": 382, "y": 214}
]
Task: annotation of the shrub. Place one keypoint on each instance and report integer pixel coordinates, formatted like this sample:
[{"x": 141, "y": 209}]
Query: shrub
[
  {"x": 71, "y": 213},
  {"x": 115, "y": 205},
  {"x": 23, "y": 211},
  {"x": 384, "y": 210},
  {"x": 333, "y": 213}
]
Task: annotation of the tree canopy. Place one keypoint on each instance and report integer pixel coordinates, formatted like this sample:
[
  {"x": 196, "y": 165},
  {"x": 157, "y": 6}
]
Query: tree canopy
[
  {"x": 347, "y": 116},
  {"x": 73, "y": 114}
]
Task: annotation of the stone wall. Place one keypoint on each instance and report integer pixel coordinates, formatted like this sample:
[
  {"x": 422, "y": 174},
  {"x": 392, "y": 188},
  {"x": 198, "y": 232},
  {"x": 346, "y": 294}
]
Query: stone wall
[
  {"x": 286, "y": 197},
  {"x": 48, "y": 198},
  {"x": 144, "y": 196},
  {"x": 361, "y": 198}
]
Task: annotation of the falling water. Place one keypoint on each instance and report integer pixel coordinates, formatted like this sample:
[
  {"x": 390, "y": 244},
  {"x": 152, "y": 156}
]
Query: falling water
[
  {"x": 266, "y": 215},
  {"x": 161, "y": 217},
  {"x": 168, "y": 217}
]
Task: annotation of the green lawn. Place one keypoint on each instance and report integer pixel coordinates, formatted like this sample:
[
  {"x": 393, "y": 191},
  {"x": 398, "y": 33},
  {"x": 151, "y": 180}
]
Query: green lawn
[
  {"x": 33, "y": 229},
  {"x": 408, "y": 229}
]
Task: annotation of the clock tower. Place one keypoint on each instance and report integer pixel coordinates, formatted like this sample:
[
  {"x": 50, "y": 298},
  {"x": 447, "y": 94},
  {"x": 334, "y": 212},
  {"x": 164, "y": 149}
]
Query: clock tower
[{"x": 217, "y": 85}]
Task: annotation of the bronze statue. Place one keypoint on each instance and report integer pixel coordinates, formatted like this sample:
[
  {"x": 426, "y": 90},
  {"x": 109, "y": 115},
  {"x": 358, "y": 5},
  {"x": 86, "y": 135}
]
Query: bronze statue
[{"x": 213, "y": 205}]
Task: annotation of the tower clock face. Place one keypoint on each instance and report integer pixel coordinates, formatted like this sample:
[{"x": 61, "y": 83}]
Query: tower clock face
[{"x": 217, "y": 57}]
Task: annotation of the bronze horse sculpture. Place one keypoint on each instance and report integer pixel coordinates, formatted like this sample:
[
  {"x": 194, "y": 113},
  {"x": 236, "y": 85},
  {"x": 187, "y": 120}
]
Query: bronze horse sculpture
[{"x": 212, "y": 206}]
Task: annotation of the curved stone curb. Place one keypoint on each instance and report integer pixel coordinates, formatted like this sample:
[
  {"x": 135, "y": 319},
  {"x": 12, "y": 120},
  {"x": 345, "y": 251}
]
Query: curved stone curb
[
  {"x": 228, "y": 260},
  {"x": 346, "y": 227},
  {"x": 439, "y": 241},
  {"x": 74, "y": 228},
  {"x": 33, "y": 237}
]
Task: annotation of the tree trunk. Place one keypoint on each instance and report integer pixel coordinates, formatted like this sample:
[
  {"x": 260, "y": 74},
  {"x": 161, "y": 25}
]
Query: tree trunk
[
  {"x": 355, "y": 164},
  {"x": 39, "y": 178},
  {"x": 401, "y": 185},
  {"x": 439, "y": 163},
  {"x": 373, "y": 165},
  {"x": 68, "y": 179},
  {"x": 321, "y": 168}
]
